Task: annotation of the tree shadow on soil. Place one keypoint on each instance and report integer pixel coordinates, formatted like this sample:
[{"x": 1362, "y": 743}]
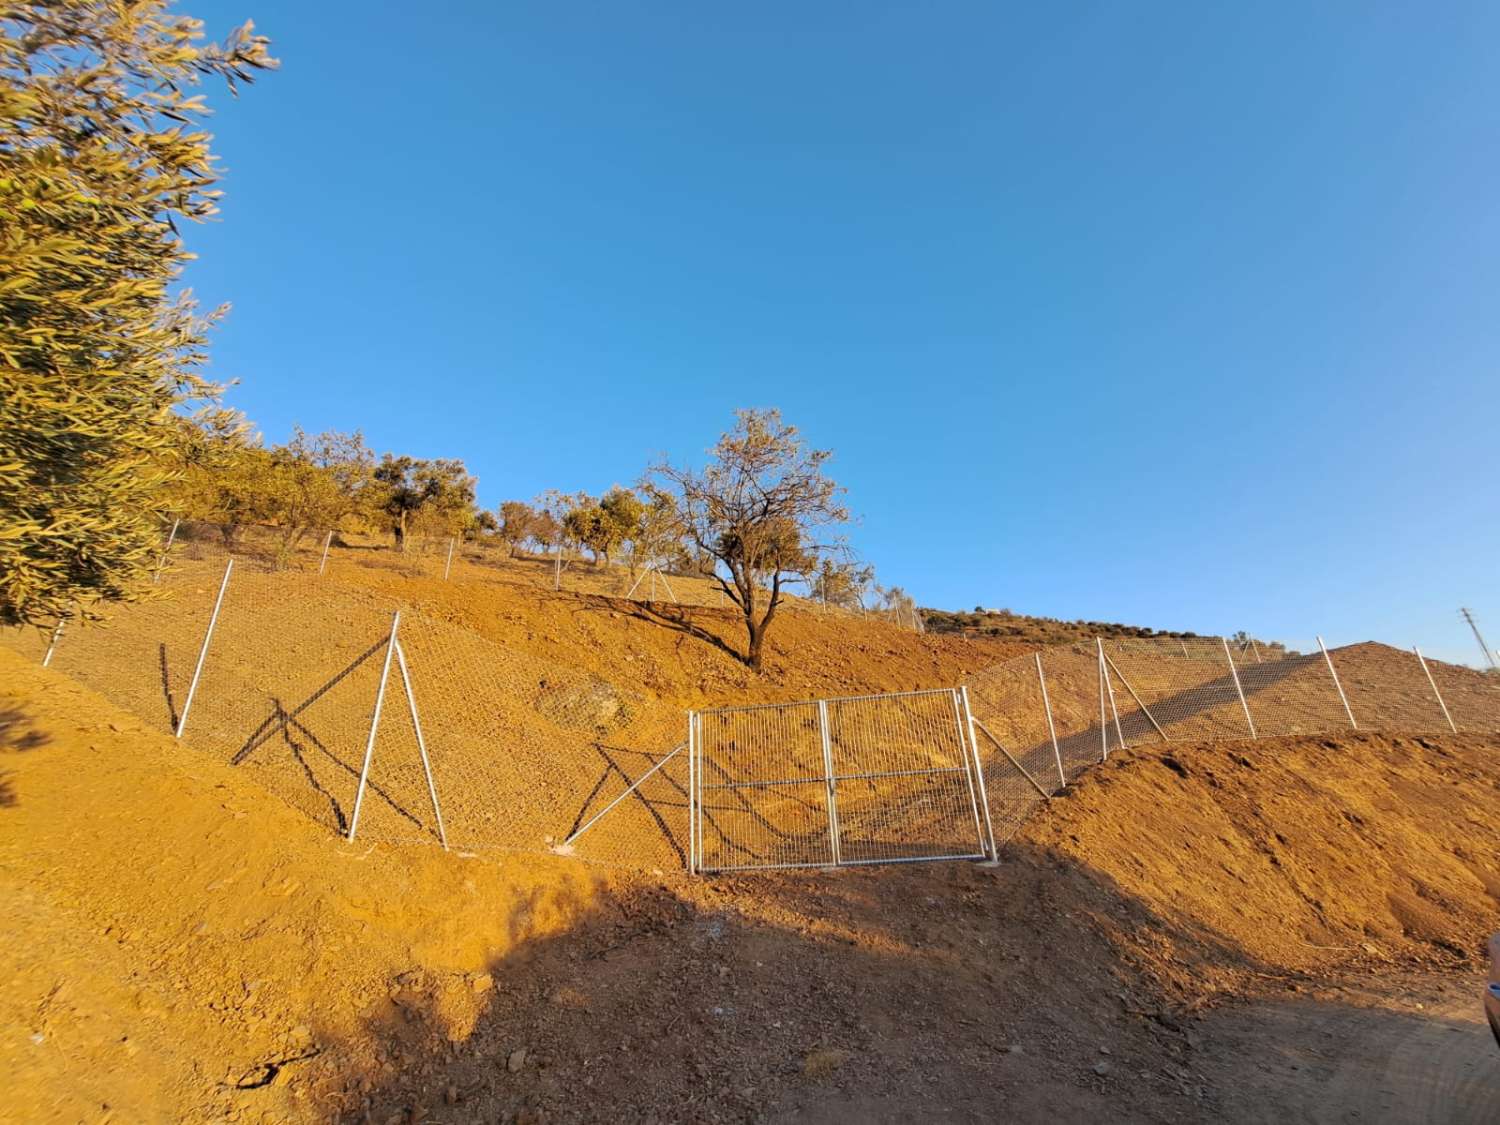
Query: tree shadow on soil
[
  {"x": 754, "y": 839},
  {"x": 18, "y": 734},
  {"x": 951, "y": 993},
  {"x": 678, "y": 619}
]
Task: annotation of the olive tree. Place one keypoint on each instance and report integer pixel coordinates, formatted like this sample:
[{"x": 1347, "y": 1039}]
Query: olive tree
[
  {"x": 99, "y": 156},
  {"x": 407, "y": 487},
  {"x": 764, "y": 510}
]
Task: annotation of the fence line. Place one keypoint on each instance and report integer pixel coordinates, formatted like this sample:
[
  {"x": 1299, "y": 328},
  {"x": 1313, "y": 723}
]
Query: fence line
[
  {"x": 280, "y": 669},
  {"x": 1180, "y": 690}
]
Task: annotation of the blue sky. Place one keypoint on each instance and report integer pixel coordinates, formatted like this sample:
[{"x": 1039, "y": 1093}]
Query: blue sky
[{"x": 1178, "y": 315}]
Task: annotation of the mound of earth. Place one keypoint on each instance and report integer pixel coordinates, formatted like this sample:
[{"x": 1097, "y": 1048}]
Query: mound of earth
[{"x": 1182, "y": 936}]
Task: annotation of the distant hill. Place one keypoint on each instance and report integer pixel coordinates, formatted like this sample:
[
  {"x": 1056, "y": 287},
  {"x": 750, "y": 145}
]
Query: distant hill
[{"x": 1005, "y": 625}]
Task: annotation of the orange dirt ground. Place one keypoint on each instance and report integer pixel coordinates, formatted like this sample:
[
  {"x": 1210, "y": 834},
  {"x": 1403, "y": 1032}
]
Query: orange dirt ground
[{"x": 1191, "y": 933}]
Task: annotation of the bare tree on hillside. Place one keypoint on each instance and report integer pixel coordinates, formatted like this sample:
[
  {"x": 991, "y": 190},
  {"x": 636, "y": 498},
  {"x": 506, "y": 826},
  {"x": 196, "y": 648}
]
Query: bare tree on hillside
[{"x": 762, "y": 508}]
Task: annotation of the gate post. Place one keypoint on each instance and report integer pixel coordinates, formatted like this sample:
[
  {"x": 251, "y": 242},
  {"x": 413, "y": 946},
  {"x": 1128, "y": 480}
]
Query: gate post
[
  {"x": 833, "y": 799},
  {"x": 692, "y": 848},
  {"x": 984, "y": 794}
]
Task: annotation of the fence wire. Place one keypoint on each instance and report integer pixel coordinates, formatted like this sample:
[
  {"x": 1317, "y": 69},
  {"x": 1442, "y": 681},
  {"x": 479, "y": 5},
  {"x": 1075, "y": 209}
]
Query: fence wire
[
  {"x": 868, "y": 779},
  {"x": 1130, "y": 691},
  {"x": 529, "y": 754}
]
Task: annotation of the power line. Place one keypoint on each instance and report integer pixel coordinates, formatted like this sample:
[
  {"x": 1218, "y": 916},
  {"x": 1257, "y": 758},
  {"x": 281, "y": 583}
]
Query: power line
[{"x": 1468, "y": 615}]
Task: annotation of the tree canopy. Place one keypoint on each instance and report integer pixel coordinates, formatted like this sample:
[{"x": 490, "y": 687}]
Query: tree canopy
[
  {"x": 99, "y": 155},
  {"x": 765, "y": 510}
]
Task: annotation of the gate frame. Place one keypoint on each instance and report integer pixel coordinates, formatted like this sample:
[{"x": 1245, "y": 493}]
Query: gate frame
[{"x": 968, "y": 763}]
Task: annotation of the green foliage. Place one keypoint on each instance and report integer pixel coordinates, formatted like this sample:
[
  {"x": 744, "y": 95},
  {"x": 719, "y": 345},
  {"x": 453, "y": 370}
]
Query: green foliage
[
  {"x": 98, "y": 156},
  {"x": 603, "y": 525},
  {"x": 841, "y": 582},
  {"x": 760, "y": 508},
  {"x": 439, "y": 492},
  {"x": 218, "y": 472}
]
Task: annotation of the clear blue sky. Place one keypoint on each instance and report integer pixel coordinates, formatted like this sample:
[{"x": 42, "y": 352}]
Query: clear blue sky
[{"x": 1178, "y": 315}]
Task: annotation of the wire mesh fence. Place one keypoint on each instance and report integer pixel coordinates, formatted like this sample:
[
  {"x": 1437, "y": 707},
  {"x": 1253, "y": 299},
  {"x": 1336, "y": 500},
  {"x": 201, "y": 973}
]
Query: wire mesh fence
[
  {"x": 480, "y": 745},
  {"x": 867, "y": 779},
  {"x": 374, "y": 559},
  {"x": 1045, "y": 718}
]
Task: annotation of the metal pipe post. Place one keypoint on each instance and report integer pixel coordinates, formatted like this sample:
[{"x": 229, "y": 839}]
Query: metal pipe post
[
  {"x": 1109, "y": 687},
  {"x": 692, "y": 846},
  {"x": 1344, "y": 699},
  {"x": 52, "y": 642},
  {"x": 833, "y": 799},
  {"x": 1435, "y": 691},
  {"x": 984, "y": 794},
  {"x": 1234, "y": 672},
  {"x": 634, "y": 785},
  {"x": 364, "y": 772},
  {"x": 1139, "y": 702},
  {"x": 327, "y": 542},
  {"x": 1051, "y": 730},
  {"x": 166, "y": 547},
  {"x": 208, "y": 635},
  {"x": 416, "y": 725},
  {"x": 448, "y": 566},
  {"x": 1103, "y": 718},
  {"x": 1024, "y": 772}
]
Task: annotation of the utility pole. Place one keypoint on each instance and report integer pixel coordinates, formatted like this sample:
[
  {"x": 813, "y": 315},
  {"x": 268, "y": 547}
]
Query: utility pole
[{"x": 1468, "y": 615}]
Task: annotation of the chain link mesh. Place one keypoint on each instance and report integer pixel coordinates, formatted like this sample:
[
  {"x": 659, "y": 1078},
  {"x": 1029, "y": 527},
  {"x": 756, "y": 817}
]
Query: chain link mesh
[
  {"x": 1137, "y": 690},
  {"x": 866, "y": 779},
  {"x": 528, "y": 754}
]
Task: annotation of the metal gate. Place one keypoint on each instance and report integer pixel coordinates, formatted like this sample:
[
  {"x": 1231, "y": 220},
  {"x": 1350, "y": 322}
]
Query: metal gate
[{"x": 864, "y": 779}]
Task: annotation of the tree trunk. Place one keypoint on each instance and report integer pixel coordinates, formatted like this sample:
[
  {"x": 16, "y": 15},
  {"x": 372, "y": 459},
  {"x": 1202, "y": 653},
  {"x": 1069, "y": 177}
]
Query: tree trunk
[
  {"x": 757, "y": 631},
  {"x": 398, "y": 530}
]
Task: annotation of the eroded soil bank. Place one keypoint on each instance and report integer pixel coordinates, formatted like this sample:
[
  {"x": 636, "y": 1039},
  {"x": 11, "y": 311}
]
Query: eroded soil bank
[{"x": 1279, "y": 930}]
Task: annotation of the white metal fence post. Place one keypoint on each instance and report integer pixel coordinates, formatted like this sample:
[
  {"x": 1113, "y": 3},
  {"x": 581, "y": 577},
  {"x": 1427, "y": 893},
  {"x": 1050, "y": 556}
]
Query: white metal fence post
[
  {"x": 327, "y": 542},
  {"x": 833, "y": 800},
  {"x": 1011, "y": 758},
  {"x": 692, "y": 844},
  {"x": 416, "y": 725},
  {"x": 1139, "y": 702},
  {"x": 208, "y": 635},
  {"x": 634, "y": 785},
  {"x": 1051, "y": 729},
  {"x": 1428, "y": 672},
  {"x": 448, "y": 566},
  {"x": 364, "y": 772},
  {"x": 1103, "y": 718},
  {"x": 1109, "y": 687},
  {"x": 984, "y": 794},
  {"x": 57, "y": 631},
  {"x": 166, "y": 547},
  {"x": 1344, "y": 699},
  {"x": 630, "y": 593},
  {"x": 1239, "y": 691}
]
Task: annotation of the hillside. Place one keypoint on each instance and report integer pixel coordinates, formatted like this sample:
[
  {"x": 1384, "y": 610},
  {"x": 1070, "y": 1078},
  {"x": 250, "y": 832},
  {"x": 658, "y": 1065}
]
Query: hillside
[
  {"x": 178, "y": 946},
  {"x": 1003, "y": 624}
]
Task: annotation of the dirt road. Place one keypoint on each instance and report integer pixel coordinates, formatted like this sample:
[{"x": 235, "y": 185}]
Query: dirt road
[{"x": 1419, "y": 1053}]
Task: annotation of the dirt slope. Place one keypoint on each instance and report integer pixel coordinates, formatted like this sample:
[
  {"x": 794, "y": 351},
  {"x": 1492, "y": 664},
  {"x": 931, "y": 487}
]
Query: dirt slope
[{"x": 178, "y": 947}]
